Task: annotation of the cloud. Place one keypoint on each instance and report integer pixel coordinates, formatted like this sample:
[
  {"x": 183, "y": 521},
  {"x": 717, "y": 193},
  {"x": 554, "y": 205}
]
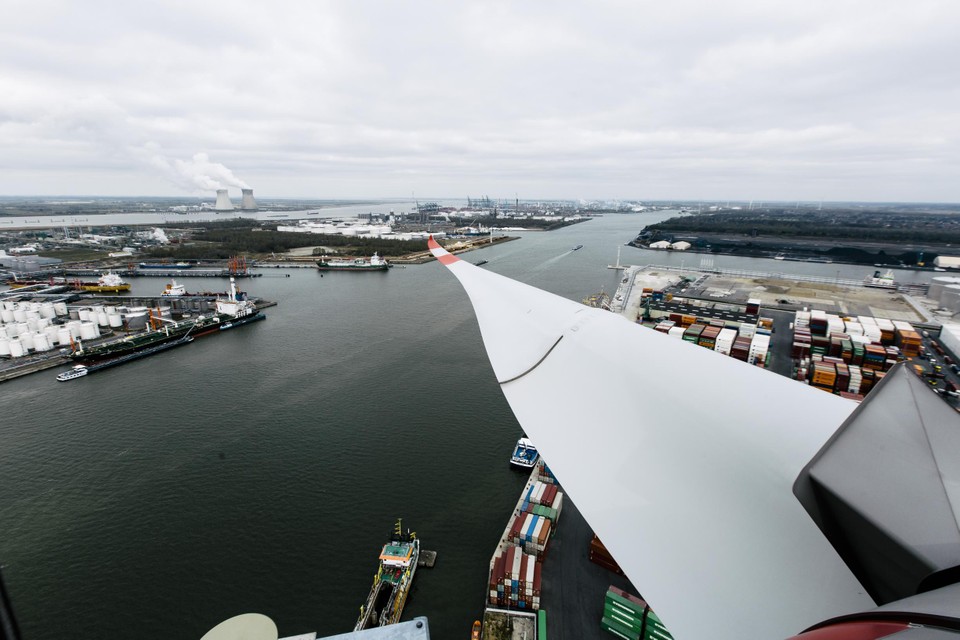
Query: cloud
[{"x": 379, "y": 99}]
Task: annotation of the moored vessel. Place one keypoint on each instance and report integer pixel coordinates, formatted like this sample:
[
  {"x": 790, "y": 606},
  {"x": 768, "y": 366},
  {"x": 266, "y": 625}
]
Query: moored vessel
[
  {"x": 173, "y": 290},
  {"x": 881, "y": 281},
  {"x": 525, "y": 454},
  {"x": 391, "y": 585},
  {"x": 107, "y": 283},
  {"x": 374, "y": 263},
  {"x": 76, "y": 372}
]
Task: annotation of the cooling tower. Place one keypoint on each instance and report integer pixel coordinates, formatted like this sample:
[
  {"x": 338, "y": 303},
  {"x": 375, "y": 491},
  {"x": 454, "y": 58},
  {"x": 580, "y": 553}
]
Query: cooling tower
[
  {"x": 223, "y": 201},
  {"x": 248, "y": 203}
]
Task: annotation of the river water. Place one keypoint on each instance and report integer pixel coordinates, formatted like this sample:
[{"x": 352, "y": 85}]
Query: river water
[{"x": 261, "y": 470}]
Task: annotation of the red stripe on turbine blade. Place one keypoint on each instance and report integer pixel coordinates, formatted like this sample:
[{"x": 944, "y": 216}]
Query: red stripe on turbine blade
[
  {"x": 446, "y": 258},
  {"x": 867, "y": 630}
]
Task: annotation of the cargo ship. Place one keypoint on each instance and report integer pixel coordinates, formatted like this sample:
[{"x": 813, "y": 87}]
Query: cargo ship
[
  {"x": 232, "y": 311},
  {"x": 374, "y": 263},
  {"x": 165, "y": 265},
  {"x": 881, "y": 281},
  {"x": 391, "y": 585},
  {"x": 81, "y": 370},
  {"x": 107, "y": 283}
]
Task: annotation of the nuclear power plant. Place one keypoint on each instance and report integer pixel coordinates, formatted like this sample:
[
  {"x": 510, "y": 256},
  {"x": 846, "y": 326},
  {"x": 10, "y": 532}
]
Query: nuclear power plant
[
  {"x": 248, "y": 203},
  {"x": 223, "y": 201}
]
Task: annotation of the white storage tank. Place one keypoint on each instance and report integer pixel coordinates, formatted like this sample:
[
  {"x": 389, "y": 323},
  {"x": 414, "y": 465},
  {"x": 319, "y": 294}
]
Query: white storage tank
[
  {"x": 74, "y": 326},
  {"x": 950, "y": 298},
  {"x": 84, "y": 315},
  {"x": 26, "y": 339},
  {"x": 88, "y": 331},
  {"x": 41, "y": 342},
  {"x": 4, "y": 346},
  {"x": 115, "y": 320},
  {"x": 16, "y": 349},
  {"x": 102, "y": 319},
  {"x": 3, "y": 332},
  {"x": 33, "y": 324},
  {"x": 60, "y": 308},
  {"x": 51, "y": 332},
  {"x": 6, "y": 315},
  {"x": 47, "y": 311},
  {"x": 63, "y": 336},
  {"x": 19, "y": 315},
  {"x": 937, "y": 285}
]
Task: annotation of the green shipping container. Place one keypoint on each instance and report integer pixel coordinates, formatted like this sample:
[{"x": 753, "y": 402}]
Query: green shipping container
[
  {"x": 618, "y": 629},
  {"x": 629, "y": 604},
  {"x": 635, "y": 624},
  {"x": 542, "y": 624}
]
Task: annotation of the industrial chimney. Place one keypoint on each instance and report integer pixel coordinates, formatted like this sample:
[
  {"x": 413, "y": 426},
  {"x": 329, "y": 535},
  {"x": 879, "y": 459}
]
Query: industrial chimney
[
  {"x": 223, "y": 201},
  {"x": 248, "y": 203}
]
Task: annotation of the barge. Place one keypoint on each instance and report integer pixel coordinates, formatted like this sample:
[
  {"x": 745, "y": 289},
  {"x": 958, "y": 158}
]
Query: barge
[{"x": 391, "y": 585}]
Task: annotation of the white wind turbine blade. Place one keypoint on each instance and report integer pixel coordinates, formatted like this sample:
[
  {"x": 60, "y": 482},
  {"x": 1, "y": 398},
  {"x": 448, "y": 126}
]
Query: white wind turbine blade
[{"x": 682, "y": 460}]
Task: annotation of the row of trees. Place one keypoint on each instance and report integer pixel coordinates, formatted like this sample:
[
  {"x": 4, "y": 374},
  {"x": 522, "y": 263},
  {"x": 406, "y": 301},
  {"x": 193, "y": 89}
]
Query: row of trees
[
  {"x": 934, "y": 229},
  {"x": 223, "y": 241}
]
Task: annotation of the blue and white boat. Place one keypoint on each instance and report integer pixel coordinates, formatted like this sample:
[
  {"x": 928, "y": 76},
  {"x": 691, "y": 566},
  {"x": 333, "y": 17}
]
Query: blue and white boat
[{"x": 525, "y": 454}]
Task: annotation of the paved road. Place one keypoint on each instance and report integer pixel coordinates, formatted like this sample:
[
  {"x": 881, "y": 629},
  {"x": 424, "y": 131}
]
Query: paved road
[{"x": 573, "y": 587}]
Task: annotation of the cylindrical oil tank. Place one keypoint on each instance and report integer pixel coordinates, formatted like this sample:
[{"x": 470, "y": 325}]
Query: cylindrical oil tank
[
  {"x": 937, "y": 285},
  {"x": 33, "y": 313},
  {"x": 950, "y": 298},
  {"x": 74, "y": 313},
  {"x": 7, "y": 305},
  {"x": 19, "y": 315},
  {"x": 102, "y": 319},
  {"x": 26, "y": 339},
  {"x": 74, "y": 326},
  {"x": 3, "y": 332},
  {"x": 43, "y": 323},
  {"x": 41, "y": 342},
  {"x": 51, "y": 331},
  {"x": 63, "y": 336},
  {"x": 136, "y": 320},
  {"x": 6, "y": 316},
  {"x": 47, "y": 311},
  {"x": 110, "y": 310},
  {"x": 33, "y": 324},
  {"x": 115, "y": 320},
  {"x": 84, "y": 315},
  {"x": 60, "y": 308},
  {"x": 16, "y": 349},
  {"x": 88, "y": 331}
]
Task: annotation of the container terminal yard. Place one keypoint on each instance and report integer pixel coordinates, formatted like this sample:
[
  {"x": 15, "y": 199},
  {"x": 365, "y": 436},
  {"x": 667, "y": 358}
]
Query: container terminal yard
[{"x": 837, "y": 335}]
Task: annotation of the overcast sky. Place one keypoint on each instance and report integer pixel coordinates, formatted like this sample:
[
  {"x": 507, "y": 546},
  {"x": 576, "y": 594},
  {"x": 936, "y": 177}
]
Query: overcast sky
[{"x": 725, "y": 99}]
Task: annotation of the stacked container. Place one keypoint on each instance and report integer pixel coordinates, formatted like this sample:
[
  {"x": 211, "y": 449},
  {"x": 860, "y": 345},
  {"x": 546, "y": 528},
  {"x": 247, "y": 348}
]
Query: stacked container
[
  {"x": 628, "y": 616},
  {"x": 515, "y": 579},
  {"x": 599, "y": 555},
  {"x": 759, "y": 348}
]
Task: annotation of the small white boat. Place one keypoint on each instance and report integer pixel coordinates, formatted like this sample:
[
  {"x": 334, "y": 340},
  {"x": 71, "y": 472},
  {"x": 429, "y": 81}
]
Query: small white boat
[
  {"x": 76, "y": 372},
  {"x": 525, "y": 454}
]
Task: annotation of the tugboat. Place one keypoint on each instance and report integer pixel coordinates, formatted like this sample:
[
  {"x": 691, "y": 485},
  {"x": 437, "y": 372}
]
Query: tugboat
[
  {"x": 525, "y": 454},
  {"x": 391, "y": 585}
]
